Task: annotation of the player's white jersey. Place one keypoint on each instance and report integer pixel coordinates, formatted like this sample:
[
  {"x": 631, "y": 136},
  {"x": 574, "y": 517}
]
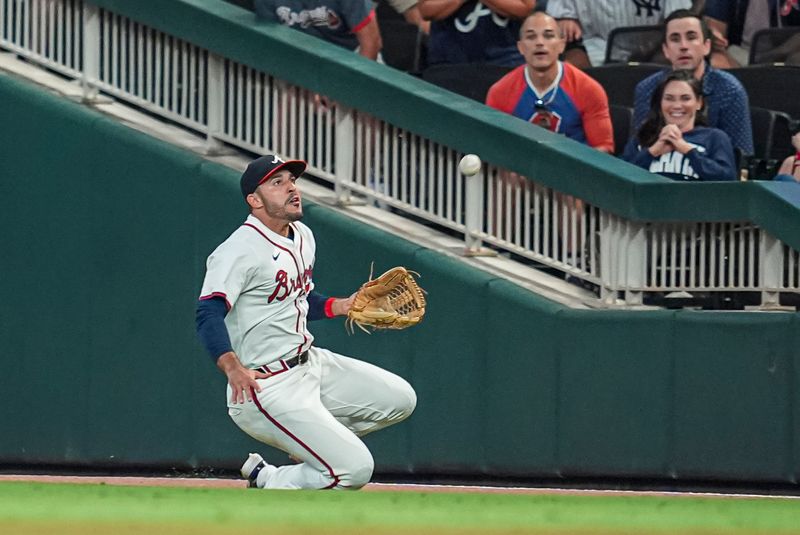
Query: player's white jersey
[{"x": 264, "y": 279}]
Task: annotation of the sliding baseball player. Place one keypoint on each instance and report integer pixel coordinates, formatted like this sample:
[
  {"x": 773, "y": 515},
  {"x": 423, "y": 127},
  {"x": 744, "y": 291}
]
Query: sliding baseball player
[{"x": 257, "y": 299}]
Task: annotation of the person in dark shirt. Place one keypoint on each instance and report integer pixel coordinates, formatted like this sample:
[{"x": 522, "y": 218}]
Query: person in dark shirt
[
  {"x": 686, "y": 44},
  {"x": 672, "y": 142},
  {"x": 474, "y": 31},
  {"x": 350, "y": 24}
]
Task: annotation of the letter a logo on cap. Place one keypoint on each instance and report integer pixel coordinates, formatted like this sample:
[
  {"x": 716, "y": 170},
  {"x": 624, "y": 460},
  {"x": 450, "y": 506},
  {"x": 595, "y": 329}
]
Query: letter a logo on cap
[{"x": 275, "y": 159}]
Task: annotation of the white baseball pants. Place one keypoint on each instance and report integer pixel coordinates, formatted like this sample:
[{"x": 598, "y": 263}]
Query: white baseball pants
[{"x": 316, "y": 411}]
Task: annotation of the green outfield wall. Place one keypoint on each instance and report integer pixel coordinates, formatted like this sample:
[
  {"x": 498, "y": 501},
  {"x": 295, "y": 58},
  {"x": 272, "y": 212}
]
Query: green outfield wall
[{"x": 104, "y": 236}]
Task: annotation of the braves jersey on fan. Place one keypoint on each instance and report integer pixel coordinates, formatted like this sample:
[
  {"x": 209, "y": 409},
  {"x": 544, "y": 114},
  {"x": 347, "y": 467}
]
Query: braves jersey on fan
[
  {"x": 333, "y": 20},
  {"x": 474, "y": 34},
  {"x": 575, "y": 105},
  {"x": 267, "y": 277}
]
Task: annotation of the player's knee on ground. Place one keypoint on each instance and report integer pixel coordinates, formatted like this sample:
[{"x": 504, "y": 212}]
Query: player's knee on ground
[
  {"x": 407, "y": 402},
  {"x": 359, "y": 471}
]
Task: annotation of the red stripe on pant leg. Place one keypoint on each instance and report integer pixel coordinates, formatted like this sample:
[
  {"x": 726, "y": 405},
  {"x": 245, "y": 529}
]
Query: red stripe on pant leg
[{"x": 293, "y": 437}]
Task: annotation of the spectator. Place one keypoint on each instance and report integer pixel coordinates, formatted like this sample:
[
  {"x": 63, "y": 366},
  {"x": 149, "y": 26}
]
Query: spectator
[
  {"x": 409, "y": 9},
  {"x": 475, "y": 31},
  {"x": 787, "y": 52},
  {"x": 347, "y": 23},
  {"x": 671, "y": 141},
  {"x": 686, "y": 44},
  {"x": 733, "y": 23},
  {"x": 587, "y": 24},
  {"x": 552, "y": 94},
  {"x": 790, "y": 168}
]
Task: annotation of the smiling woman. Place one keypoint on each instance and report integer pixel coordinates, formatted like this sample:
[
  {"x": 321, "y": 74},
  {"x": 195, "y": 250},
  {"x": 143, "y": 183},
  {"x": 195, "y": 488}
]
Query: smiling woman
[{"x": 672, "y": 142}]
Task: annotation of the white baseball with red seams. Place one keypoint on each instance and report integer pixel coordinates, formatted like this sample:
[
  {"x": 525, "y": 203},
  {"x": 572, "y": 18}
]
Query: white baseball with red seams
[
  {"x": 470, "y": 164},
  {"x": 313, "y": 411}
]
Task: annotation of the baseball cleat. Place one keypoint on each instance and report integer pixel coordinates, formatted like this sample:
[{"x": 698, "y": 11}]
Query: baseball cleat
[{"x": 252, "y": 467}]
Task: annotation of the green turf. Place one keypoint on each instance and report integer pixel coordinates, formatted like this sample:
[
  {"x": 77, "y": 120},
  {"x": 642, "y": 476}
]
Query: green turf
[{"x": 32, "y": 508}]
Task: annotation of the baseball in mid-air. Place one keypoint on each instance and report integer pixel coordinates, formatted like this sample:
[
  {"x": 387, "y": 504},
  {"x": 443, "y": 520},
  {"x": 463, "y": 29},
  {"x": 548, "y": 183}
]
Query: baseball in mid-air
[{"x": 470, "y": 164}]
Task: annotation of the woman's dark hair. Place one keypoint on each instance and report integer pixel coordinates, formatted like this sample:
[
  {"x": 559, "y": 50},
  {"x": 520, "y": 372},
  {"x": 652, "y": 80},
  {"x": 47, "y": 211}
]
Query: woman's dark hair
[{"x": 651, "y": 128}]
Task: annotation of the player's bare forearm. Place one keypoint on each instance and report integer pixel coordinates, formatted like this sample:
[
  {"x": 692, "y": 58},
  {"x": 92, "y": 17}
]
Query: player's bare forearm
[
  {"x": 341, "y": 306},
  {"x": 369, "y": 40},
  {"x": 413, "y": 16},
  {"x": 719, "y": 33},
  {"x": 571, "y": 29},
  {"x": 438, "y": 9},
  {"x": 515, "y": 9},
  {"x": 241, "y": 380}
]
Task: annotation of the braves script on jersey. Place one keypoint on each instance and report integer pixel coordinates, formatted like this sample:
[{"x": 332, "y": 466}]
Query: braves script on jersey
[
  {"x": 336, "y": 21},
  {"x": 267, "y": 277},
  {"x": 320, "y": 16}
]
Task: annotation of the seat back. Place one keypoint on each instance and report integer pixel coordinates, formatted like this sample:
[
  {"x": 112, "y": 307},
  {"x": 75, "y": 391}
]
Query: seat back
[
  {"x": 782, "y": 137},
  {"x": 771, "y": 140},
  {"x": 620, "y": 79},
  {"x": 622, "y": 122},
  {"x": 635, "y": 43},
  {"x": 776, "y": 45},
  {"x": 471, "y": 80},
  {"x": 404, "y": 44},
  {"x": 763, "y": 122},
  {"x": 773, "y": 87}
]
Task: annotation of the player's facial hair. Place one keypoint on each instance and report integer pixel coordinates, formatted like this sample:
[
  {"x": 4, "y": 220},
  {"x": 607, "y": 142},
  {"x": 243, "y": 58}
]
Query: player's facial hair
[{"x": 278, "y": 211}]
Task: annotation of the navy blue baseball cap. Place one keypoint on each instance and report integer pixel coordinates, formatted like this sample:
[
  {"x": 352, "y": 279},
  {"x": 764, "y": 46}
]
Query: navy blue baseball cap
[{"x": 260, "y": 169}]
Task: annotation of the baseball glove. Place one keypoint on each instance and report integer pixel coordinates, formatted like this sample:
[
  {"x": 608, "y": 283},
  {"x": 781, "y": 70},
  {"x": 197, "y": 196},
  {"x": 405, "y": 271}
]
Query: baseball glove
[{"x": 392, "y": 301}]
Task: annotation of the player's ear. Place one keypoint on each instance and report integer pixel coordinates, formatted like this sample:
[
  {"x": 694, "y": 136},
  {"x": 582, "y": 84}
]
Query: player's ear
[{"x": 254, "y": 201}]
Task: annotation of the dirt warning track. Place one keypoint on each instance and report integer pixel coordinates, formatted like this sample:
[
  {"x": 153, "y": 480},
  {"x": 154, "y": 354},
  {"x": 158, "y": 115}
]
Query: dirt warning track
[{"x": 372, "y": 487}]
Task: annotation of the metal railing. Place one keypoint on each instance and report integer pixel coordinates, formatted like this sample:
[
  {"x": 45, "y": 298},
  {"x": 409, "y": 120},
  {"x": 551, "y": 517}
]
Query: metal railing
[
  {"x": 365, "y": 156},
  {"x": 49, "y": 33}
]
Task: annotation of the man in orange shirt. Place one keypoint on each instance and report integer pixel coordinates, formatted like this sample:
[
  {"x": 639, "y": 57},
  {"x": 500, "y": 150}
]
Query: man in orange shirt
[{"x": 552, "y": 94}]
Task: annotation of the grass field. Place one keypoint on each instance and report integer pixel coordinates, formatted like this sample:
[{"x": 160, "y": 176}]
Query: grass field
[{"x": 39, "y": 508}]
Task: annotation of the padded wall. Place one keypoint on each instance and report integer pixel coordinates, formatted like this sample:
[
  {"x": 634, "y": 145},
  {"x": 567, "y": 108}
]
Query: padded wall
[{"x": 105, "y": 234}]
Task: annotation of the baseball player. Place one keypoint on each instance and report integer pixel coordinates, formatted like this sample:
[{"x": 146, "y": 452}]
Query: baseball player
[{"x": 257, "y": 298}]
